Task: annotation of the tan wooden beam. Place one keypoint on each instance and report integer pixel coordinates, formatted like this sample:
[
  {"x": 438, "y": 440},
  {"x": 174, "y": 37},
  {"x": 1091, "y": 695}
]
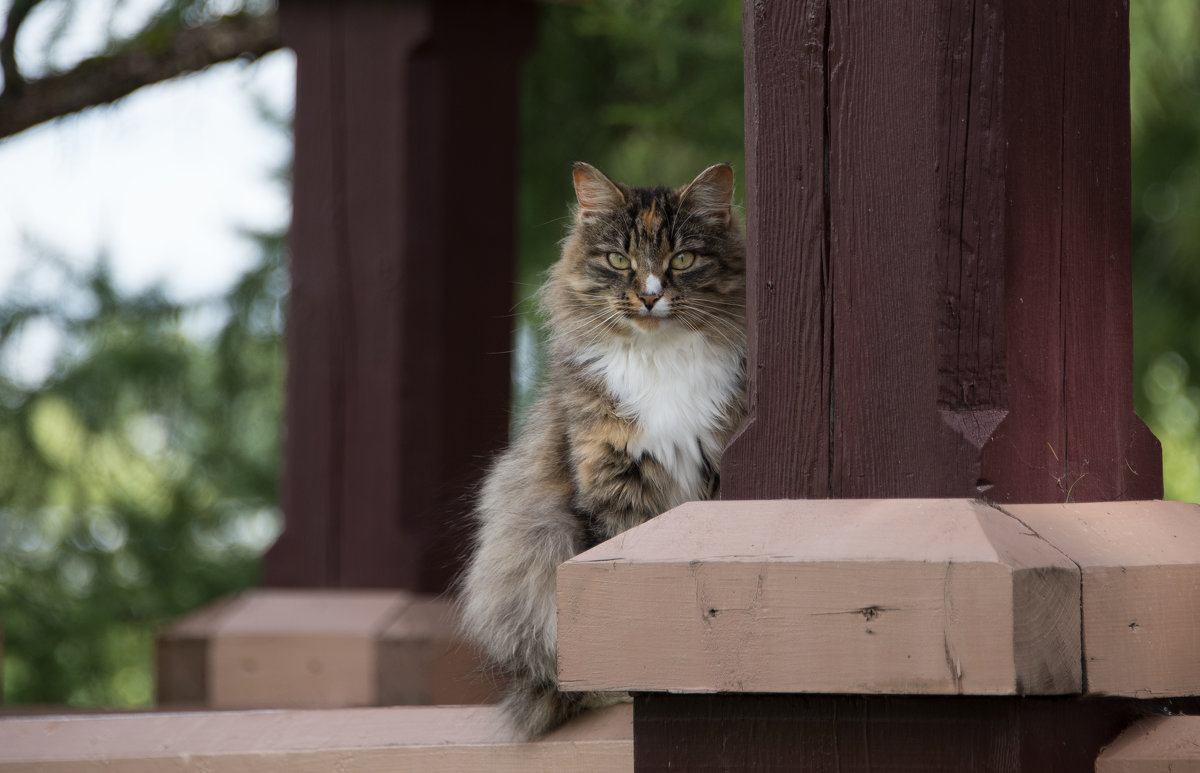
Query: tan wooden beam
[
  {"x": 1140, "y": 564},
  {"x": 1155, "y": 745},
  {"x": 300, "y": 648},
  {"x": 433, "y": 739},
  {"x": 319, "y": 648},
  {"x": 856, "y": 596}
]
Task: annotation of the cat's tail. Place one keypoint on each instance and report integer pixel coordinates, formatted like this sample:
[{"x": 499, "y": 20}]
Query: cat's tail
[{"x": 537, "y": 707}]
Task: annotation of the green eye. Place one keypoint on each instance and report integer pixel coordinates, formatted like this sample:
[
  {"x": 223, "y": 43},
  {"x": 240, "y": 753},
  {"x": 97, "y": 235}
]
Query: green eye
[
  {"x": 618, "y": 261},
  {"x": 682, "y": 260}
]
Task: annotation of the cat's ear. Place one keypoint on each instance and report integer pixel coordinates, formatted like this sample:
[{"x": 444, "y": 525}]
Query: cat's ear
[
  {"x": 596, "y": 193},
  {"x": 710, "y": 195}
]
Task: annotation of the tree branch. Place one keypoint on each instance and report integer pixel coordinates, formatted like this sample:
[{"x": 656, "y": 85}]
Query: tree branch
[
  {"x": 13, "y": 82},
  {"x": 154, "y": 55}
]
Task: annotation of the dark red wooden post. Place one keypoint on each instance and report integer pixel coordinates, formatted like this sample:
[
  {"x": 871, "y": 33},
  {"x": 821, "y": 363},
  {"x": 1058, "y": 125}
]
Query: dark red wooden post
[
  {"x": 938, "y": 225},
  {"x": 402, "y": 263}
]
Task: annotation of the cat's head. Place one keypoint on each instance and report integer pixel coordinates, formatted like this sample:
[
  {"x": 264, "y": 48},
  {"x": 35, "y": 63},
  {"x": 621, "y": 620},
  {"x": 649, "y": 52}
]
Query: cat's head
[{"x": 650, "y": 261}]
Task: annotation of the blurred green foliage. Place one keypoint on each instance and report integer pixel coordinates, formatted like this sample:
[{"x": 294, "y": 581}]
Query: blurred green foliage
[
  {"x": 138, "y": 478},
  {"x": 1165, "y": 102}
]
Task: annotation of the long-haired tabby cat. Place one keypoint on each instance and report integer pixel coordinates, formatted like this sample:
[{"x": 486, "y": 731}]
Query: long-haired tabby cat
[{"x": 646, "y": 384}]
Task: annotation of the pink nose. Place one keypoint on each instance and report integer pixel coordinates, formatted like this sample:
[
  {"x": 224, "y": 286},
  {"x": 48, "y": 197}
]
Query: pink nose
[{"x": 649, "y": 300}]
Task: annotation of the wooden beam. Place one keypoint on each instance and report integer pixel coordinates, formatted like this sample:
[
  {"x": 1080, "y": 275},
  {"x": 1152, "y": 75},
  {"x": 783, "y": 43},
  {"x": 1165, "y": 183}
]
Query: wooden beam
[
  {"x": 835, "y": 596},
  {"x": 435, "y": 739},
  {"x": 862, "y": 733},
  {"x": 1140, "y": 564},
  {"x": 1155, "y": 745},
  {"x": 283, "y": 649},
  {"x": 890, "y": 596},
  {"x": 320, "y": 648},
  {"x": 934, "y": 634}
]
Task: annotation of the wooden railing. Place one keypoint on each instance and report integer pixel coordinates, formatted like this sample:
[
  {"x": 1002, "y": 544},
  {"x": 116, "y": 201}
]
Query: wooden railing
[
  {"x": 854, "y": 634},
  {"x": 432, "y": 740}
]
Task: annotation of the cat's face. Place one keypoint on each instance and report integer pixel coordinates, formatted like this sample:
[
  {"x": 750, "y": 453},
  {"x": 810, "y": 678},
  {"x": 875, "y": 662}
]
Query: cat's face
[{"x": 645, "y": 261}]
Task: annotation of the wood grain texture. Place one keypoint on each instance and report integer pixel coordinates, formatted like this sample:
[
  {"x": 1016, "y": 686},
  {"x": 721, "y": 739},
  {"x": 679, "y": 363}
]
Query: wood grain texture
[
  {"x": 1071, "y": 434},
  {"x": 941, "y": 192},
  {"x": 968, "y": 57},
  {"x": 1110, "y": 454},
  {"x": 398, "y": 373},
  {"x": 891, "y": 146},
  {"x": 1156, "y": 745},
  {"x": 1025, "y": 458},
  {"x": 436, "y": 739},
  {"x": 855, "y": 596},
  {"x": 788, "y": 298},
  {"x": 1140, "y": 567}
]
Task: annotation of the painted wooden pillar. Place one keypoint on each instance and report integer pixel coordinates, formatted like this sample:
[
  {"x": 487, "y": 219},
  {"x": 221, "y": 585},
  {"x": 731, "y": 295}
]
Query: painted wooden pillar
[
  {"x": 401, "y": 262},
  {"x": 939, "y": 289},
  {"x": 939, "y": 230}
]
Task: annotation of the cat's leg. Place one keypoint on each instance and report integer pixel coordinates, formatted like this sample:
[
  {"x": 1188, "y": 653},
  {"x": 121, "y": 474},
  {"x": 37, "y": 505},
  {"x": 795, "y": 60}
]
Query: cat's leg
[{"x": 613, "y": 489}]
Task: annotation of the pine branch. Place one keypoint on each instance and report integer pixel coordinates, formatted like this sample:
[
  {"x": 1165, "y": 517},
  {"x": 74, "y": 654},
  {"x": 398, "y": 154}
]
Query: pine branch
[{"x": 159, "y": 53}]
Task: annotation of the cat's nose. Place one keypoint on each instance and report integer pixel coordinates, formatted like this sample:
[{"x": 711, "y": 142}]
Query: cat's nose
[{"x": 650, "y": 300}]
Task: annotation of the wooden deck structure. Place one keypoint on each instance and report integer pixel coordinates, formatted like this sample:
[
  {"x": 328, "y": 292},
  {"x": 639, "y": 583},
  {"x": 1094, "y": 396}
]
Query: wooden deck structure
[
  {"x": 940, "y": 546},
  {"x": 889, "y": 634}
]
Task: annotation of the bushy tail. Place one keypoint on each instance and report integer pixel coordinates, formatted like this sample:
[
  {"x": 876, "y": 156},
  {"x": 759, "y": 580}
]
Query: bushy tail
[{"x": 536, "y": 708}]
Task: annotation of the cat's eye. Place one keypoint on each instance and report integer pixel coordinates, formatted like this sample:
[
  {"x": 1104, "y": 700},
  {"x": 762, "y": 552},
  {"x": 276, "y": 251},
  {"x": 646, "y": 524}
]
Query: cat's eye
[
  {"x": 682, "y": 260},
  {"x": 618, "y": 261}
]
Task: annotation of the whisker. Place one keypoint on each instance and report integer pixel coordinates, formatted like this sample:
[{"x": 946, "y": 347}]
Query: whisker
[
  {"x": 713, "y": 301},
  {"x": 717, "y": 313},
  {"x": 719, "y": 326}
]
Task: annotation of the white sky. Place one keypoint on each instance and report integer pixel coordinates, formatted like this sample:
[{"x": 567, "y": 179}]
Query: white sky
[{"x": 160, "y": 183}]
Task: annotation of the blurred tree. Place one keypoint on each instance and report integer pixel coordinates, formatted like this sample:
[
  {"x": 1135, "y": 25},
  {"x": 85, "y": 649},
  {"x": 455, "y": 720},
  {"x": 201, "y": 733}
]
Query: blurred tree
[
  {"x": 139, "y": 476},
  {"x": 1165, "y": 97}
]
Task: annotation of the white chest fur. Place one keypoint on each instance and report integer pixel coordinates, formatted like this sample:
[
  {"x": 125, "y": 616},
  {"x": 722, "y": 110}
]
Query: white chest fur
[{"x": 676, "y": 388}]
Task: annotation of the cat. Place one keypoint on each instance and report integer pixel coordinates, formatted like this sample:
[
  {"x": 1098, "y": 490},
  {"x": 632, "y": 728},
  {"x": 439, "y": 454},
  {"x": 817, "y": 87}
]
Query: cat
[{"x": 645, "y": 312}]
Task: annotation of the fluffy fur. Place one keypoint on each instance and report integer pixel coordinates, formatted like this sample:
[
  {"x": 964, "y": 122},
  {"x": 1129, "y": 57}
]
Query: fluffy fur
[{"x": 646, "y": 314}]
